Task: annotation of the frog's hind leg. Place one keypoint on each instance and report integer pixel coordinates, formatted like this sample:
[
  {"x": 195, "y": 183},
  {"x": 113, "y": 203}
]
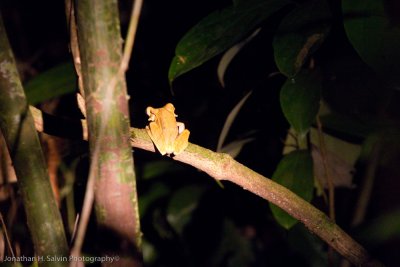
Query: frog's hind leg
[{"x": 181, "y": 142}]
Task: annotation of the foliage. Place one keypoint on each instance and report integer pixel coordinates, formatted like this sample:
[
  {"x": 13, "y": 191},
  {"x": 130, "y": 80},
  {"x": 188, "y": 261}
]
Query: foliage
[
  {"x": 300, "y": 97},
  {"x": 372, "y": 29},
  {"x": 301, "y": 50},
  {"x": 219, "y": 31},
  {"x": 299, "y": 34},
  {"x": 295, "y": 172},
  {"x": 55, "y": 82},
  {"x": 17, "y": 129}
]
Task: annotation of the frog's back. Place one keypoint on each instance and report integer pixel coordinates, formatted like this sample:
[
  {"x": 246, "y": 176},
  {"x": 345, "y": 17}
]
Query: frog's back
[{"x": 169, "y": 129}]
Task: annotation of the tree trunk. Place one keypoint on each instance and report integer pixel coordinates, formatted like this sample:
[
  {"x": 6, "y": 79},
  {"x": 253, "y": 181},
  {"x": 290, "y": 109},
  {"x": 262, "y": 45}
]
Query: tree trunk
[
  {"x": 19, "y": 131},
  {"x": 106, "y": 99}
]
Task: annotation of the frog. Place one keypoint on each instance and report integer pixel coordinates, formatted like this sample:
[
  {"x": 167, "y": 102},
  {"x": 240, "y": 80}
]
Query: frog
[{"x": 169, "y": 136}]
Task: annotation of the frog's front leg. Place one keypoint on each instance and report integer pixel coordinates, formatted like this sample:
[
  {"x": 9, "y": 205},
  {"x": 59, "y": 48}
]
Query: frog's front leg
[{"x": 155, "y": 133}]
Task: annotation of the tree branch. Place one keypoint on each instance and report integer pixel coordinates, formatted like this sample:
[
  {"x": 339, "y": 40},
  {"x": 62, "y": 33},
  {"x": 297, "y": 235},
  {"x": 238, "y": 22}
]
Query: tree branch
[{"x": 223, "y": 167}]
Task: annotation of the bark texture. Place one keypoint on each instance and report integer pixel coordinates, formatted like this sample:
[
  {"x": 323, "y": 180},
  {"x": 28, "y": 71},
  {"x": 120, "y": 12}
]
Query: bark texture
[
  {"x": 106, "y": 99},
  {"x": 18, "y": 128}
]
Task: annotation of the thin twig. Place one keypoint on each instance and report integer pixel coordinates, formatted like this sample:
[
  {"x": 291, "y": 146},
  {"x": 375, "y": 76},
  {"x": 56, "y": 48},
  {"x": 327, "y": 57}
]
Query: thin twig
[
  {"x": 130, "y": 38},
  {"x": 367, "y": 187},
  {"x": 74, "y": 45},
  {"x": 3, "y": 225},
  {"x": 331, "y": 187}
]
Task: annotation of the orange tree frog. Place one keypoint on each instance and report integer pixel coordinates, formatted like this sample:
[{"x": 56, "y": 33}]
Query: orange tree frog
[{"x": 168, "y": 135}]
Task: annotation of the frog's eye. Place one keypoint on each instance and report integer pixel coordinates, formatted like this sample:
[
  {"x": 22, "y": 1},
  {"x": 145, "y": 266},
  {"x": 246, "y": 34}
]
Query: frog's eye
[
  {"x": 152, "y": 117},
  {"x": 170, "y": 107},
  {"x": 151, "y": 112},
  {"x": 148, "y": 111}
]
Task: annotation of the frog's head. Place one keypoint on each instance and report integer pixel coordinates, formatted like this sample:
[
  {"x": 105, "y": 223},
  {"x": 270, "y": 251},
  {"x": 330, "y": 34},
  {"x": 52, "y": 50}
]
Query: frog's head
[{"x": 170, "y": 107}]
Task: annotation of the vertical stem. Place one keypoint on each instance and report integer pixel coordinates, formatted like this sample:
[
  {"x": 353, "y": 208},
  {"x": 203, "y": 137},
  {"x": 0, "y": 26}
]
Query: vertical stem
[
  {"x": 106, "y": 98},
  {"x": 328, "y": 177},
  {"x": 19, "y": 131},
  {"x": 331, "y": 186},
  {"x": 367, "y": 186}
]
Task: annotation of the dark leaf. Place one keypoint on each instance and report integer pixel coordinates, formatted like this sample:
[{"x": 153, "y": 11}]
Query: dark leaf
[
  {"x": 181, "y": 206},
  {"x": 345, "y": 124},
  {"x": 380, "y": 230},
  {"x": 308, "y": 245},
  {"x": 300, "y": 97},
  {"x": 55, "y": 82},
  {"x": 157, "y": 168},
  {"x": 300, "y": 33},
  {"x": 295, "y": 172},
  {"x": 374, "y": 33},
  {"x": 235, "y": 246},
  {"x": 155, "y": 192},
  {"x": 218, "y": 32}
]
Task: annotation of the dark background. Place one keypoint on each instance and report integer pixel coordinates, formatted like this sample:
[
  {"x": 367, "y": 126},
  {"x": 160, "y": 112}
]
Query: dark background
[{"x": 39, "y": 36}]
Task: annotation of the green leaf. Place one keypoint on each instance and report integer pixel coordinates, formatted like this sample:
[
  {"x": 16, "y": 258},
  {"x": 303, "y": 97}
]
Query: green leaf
[
  {"x": 295, "y": 172},
  {"x": 155, "y": 192},
  {"x": 380, "y": 230},
  {"x": 385, "y": 143},
  {"x": 300, "y": 97},
  {"x": 348, "y": 125},
  {"x": 355, "y": 126},
  {"x": 308, "y": 245},
  {"x": 55, "y": 82},
  {"x": 300, "y": 33},
  {"x": 233, "y": 245},
  {"x": 181, "y": 206},
  {"x": 219, "y": 31},
  {"x": 237, "y": 2},
  {"x": 150, "y": 252},
  {"x": 374, "y": 34},
  {"x": 155, "y": 169}
]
